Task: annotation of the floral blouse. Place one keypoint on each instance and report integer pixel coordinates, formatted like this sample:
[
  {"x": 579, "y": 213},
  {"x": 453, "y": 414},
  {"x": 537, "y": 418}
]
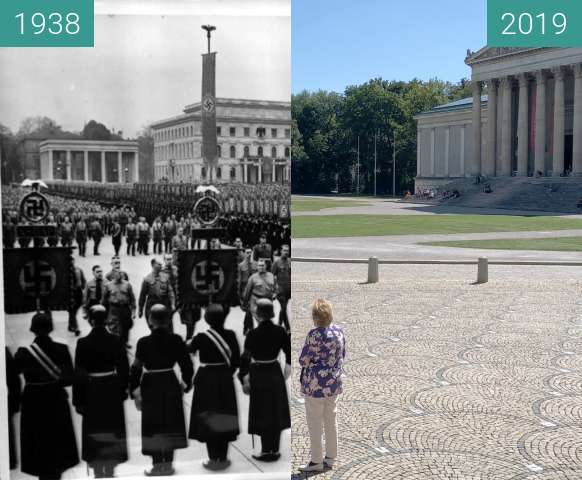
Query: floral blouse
[{"x": 322, "y": 359}]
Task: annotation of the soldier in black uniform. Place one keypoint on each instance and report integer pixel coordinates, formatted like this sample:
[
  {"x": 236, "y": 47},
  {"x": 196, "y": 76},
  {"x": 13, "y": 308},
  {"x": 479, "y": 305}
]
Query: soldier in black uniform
[
  {"x": 158, "y": 393},
  {"x": 47, "y": 441},
  {"x": 261, "y": 376},
  {"x": 214, "y": 418},
  {"x": 102, "y": 379},
  {"x": 14, "y": 392},
  {"x": 131, "y": 232}
]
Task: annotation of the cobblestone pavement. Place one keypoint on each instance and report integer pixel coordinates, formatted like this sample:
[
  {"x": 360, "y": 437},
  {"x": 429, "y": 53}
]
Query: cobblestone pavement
[{"x": 449, "y": 380}]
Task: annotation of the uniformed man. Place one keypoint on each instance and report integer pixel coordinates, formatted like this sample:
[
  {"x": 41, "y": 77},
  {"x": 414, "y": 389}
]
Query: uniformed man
[
  {"x": 52, "y": 240},
  {"x": 116, "y": 265},
  {"x": 102, "y": 372},
  {"x": 260, "y": 285},
  {"x": 245, "y": 269},
  {"x": 263, "y": 250},
  {"x": 180, "y": 241},
  {"x": 156, "y": 288},
  {"x": 143, "y": 232},
  {"x": 282, "y": 272},
  {"x": 79, "y": 286},
  {"x": 93, "y": 290},
  {"x": 116, "y": 236},
  {"x": 131, "y": 232},
  {"x": 157, "y": 231},
  {"x": 169, "y": 230},
  {"x": 240, "y": 251},
  {"x": 119, "y": 299},
  {"x": 96, "y": 234}
]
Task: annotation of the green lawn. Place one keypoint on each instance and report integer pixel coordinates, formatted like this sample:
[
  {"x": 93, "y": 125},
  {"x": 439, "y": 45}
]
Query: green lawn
[
  {"x": 560, "y": 244},
  {"x": 316, "y": 204},
  {"x": 375, "y": 225}
]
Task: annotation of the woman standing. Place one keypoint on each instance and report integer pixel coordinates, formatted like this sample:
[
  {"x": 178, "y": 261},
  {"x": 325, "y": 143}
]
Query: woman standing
[
  {"x": 261, "y": 376},
  {"x": 47, "y": 440},
  {"x": 98, "y": 395},
  {"x": 214, "y": 418},
  {"x": 158, "y": 393},
  {"x": 322, "y": 359}
]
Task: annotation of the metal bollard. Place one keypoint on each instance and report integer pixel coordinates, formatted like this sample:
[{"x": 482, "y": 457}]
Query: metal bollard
[
  {"x": 483, "y": 270},
  {"x": 373, "y": 275}
]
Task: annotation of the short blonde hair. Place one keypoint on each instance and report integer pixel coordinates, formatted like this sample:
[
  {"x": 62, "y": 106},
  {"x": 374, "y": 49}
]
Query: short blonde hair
[{"x": 322, "y": 313}]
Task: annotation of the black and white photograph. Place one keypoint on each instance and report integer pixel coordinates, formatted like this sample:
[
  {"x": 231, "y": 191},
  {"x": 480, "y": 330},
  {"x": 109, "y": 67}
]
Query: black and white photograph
[{"x": 147, "y": 246}]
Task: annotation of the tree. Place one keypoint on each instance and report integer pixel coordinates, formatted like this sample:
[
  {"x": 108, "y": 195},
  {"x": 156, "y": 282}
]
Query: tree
[
  {"x": 11, "y": 167},
  {"x": 97, "y": 131}
]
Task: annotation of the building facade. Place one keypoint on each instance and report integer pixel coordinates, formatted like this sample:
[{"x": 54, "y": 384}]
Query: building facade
[
  {"x": 524, "y": 119},
  {"x": 254, "y": 144},
  {"x": 89, "y": 160}
]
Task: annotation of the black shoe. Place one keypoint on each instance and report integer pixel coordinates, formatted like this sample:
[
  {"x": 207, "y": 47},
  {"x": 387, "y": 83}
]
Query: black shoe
[
  {"x": 155, "y": 472},
  {"x": 216, "y": 465},
  {"x": 267, "y": 457}
]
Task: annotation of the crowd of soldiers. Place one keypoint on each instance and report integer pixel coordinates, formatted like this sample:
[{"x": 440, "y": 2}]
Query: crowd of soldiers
[{"x": 101, "y": 376}]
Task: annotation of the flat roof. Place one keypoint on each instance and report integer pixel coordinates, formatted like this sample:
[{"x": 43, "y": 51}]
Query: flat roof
[{"x": 461, "y": 104}]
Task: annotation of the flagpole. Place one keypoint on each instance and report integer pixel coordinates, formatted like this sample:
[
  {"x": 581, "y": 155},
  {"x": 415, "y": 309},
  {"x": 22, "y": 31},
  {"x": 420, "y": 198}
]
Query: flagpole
[
  {"x": 375, "y": 160},
  {"x": 358, "y": 169},
  {"x": 394, "y": 165}
]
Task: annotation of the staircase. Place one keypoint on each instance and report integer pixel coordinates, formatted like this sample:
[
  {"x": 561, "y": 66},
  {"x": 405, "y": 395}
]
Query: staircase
[{"x": 520, "y": 193}]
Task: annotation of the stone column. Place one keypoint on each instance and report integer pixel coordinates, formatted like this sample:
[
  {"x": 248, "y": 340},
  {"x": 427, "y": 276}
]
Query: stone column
[
  {"x": 447, "y": 150},
  {"x": 68, "y": 165},
  {"x": 274, "y": 172},
  {"x": 103, "y": 169},
  {"x": 136, "y": 167},
  {"x": 462, "y": 172},
  {"x": 489, "y": 169},
  {"x": 577, "y": 153},
  {"x": 432, "y": 151},
  {"x": 120, "y": 178},
  {"x": 86, "y": 165},
  {"x": 540, "y": 154},
  {"x": 418, "y": 153},
  {"x": 246, "y": 173},
  {"x": 476, "y": 163},
  {"x": 50, "y": 165},
  {"x": 559, "y": 123},
  {"x": 506, "y": 129},
  {"x": 523, "y": 126},
  {"x": 260, "y": 172}
]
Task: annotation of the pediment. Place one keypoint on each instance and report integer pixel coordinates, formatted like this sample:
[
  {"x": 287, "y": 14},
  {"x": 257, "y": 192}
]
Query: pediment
[{"x": 493, "y": 53}]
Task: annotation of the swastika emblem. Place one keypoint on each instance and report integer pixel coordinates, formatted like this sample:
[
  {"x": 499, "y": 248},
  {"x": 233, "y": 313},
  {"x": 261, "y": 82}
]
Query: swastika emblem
[
  {"x": 34, "y": 207},
  {"x": 207, "y": 210},
  {"x": 208, "y": 104},
  {"x": 207, "y": 277},
  {"x": 45, "y": 276}
]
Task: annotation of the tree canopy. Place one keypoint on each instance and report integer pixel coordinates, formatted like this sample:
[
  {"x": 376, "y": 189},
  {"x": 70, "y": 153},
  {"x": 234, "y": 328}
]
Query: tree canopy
[{"x": 328, "y": 127}]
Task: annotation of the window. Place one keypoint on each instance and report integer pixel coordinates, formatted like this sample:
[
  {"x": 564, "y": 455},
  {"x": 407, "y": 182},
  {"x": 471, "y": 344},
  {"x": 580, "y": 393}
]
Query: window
[
  {"x": 191, "y": 131},
  {"x": 287, "y": 152},
  {"x": 219, "y": 151},
  {"x": 203, "y": 173},
  {"x": 274, "y": 132},
  {"x": 246, "y": 151},
  {"x": 233, "y": 173},
  {"x": 274, "y": 152},
  {"x": 260, "y": 151},
  {"x": 261, "y": 132},
  {"x": 219, "y": 131},
  {"x": 232, "y": 151},
  {"x": 247, "y": 132},
  {"x": 287, "y": 133},
  {"x": 232, "y": 131},
  {"x": 219, "y": 172}
]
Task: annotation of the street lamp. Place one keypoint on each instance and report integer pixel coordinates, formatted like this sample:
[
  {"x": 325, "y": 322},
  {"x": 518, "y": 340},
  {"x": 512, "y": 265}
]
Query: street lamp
[{"x": 126, "y": 175}]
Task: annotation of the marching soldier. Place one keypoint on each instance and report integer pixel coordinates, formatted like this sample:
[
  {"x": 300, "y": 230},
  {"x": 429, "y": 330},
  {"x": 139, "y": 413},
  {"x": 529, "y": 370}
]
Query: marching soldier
[
  {"x": 261, "y": 376},
  {"x": 143, "y": 231},
  {"x": 157, "y": 230},
  {"x": 180, "y": 241},
  {"x": 98, "y": 395},
  {"x": 119, "y": 299},
  {"x": 116, "y": 266},
  {"x": 158, "y": 393},
  {"x": 263, "y": 250},
  {"x": 116, "y": 236},
  {"x": 47, "y": 440},
  {"x": 156, "y": 288},
  {"x": 131, "y": 232},
  {"x": 81, "y": 236},
  {"x": 79, "y": 287},
  {"x": 96, "y": 234},
  {"x": 93, "y": 290},
  {"x": 261, "y": 285},
  {"x": 245, "y": 269},
  {"x": 282, "y": 272},
  {"x": 169, "y": 230}
]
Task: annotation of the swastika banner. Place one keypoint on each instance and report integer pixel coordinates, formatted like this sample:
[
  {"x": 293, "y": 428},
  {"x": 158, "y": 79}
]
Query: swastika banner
[
  {"x": 206, "y": 275},
  {"x": 31, "y": 273},
  {"x": 208, "y": 109}
]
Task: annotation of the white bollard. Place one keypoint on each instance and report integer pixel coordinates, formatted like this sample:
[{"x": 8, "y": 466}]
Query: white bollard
[
  {"x": 483, "y": 270},
  {"x": 373, "y": 275}
]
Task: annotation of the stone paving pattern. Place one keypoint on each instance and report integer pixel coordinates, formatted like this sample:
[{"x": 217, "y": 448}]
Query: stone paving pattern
[{"x": 450, "y": 380}]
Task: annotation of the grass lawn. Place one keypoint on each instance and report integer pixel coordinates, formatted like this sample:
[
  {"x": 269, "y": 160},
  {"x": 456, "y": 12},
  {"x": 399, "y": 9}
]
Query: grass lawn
[
  {"x": 315, "y": 204},
  {"x": 376, "y": 225},
  {"x": 561, "y": 244}
]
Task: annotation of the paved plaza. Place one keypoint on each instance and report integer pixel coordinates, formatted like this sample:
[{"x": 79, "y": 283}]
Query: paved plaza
[
  {"x": 447, "y": 379},
  {"x": 188, "y": 461}
]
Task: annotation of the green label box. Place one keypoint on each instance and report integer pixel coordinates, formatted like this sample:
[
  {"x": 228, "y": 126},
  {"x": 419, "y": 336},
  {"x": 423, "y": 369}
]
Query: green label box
[
  {"x": 46, "y": 23},
  {"x": 534, "y": 23}
]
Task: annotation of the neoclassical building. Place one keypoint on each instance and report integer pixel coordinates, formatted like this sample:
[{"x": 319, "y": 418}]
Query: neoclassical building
[
  {"x": 254, "y": 143},
  {"x": 100, "y": 161},
  {"x": 525, "y": 118}
]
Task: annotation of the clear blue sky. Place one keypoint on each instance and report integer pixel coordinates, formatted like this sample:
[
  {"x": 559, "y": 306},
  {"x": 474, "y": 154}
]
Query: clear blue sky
[{"x": 336, "y": 43}]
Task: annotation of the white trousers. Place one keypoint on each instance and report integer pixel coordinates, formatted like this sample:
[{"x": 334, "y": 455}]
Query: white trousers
[{"x": 321, "y": 416}]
